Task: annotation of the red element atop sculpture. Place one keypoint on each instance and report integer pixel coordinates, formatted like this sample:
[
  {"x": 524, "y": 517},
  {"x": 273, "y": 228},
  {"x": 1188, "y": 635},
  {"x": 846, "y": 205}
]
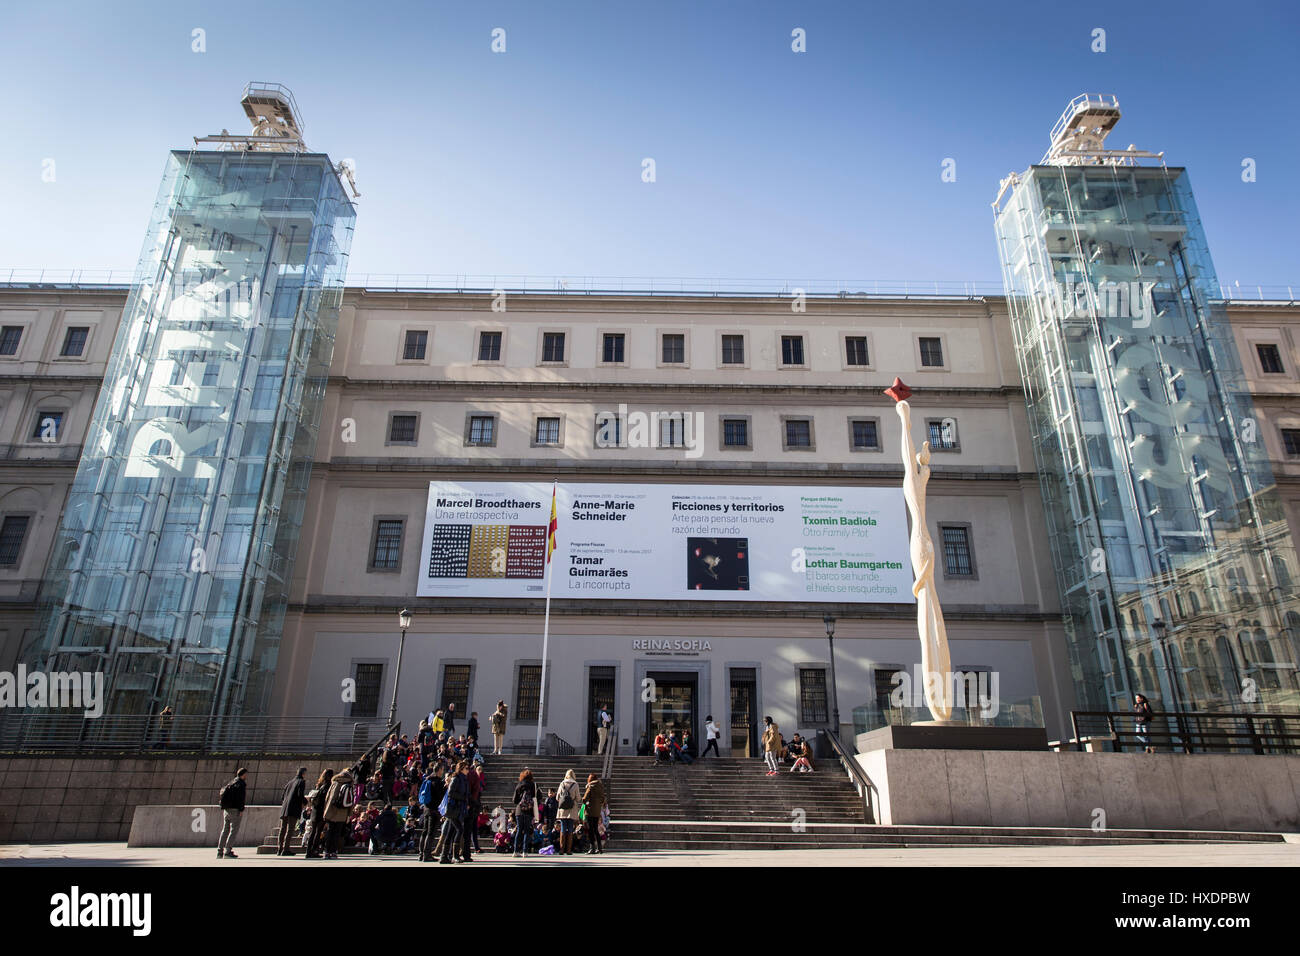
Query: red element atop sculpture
[{"x": 898, "y": 391}]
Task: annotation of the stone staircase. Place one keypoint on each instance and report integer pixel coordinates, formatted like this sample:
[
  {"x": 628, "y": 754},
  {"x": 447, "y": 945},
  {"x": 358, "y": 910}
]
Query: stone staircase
[{"x": 729, "y": 804}]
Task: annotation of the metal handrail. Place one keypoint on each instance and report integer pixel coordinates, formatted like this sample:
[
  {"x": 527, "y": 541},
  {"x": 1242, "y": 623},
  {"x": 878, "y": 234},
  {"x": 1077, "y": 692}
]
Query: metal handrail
[
  {"x": 1184, "y": 730},
  {"x": 611, "y": 744},
  {"x": 40, "y": 733},
  {"x": 861, "y": 782},
  {"x": 557, "y": 746}
]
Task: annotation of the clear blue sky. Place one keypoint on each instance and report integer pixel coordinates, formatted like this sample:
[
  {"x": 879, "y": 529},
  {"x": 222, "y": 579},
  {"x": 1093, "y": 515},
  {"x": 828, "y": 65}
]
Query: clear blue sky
[{"x": 770, "y": 164}]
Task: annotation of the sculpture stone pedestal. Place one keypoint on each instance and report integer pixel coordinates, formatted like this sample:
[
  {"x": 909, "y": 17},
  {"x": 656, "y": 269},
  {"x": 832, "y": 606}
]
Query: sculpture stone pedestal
[{"x": 938, "y": 736}]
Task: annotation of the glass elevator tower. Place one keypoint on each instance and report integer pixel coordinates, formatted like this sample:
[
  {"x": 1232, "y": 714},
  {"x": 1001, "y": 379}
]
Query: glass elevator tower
[
  {"x": 173, "y": 558},
  {"x": 1172, "y": 551}
]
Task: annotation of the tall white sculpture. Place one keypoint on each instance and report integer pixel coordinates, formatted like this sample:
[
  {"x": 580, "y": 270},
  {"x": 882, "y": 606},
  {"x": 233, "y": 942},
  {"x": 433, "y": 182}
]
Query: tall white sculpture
[{"x": 936, "y": 666}]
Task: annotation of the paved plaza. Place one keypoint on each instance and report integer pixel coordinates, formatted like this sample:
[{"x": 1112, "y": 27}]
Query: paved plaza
[{"x": 1199, "y": 855}]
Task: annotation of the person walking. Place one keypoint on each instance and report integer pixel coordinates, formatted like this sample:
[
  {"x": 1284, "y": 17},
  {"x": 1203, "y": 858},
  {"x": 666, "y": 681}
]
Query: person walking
[
  {"x": 593, "y": 802},
  {"x": 232, "y": 809},
  {"x": 295, "y": 793},
  {"x": 498, "y": 724},
  {"x": 165, "y": 726},
  {"x": 566, "y": 802},
  {"x": 1142, "y": 722},
  {"x": 711, "y": 733},
  {"x": 452, "y": 822},
  {"x": 338, "y": 807},
  {"x": 474, "y": 806},
  {"x": 449, "y": 718},
  {"x": 771, "y": 745},
  {"x": 525, "y": 810},
  {"x": 432, "y": 790},
  {"x": 602, "y": 731},
  {"x": 317, "y": 801}
]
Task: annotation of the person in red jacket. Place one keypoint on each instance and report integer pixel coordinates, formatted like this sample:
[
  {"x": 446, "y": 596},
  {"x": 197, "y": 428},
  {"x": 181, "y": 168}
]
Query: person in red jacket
[{"x": 662, "y": 754}]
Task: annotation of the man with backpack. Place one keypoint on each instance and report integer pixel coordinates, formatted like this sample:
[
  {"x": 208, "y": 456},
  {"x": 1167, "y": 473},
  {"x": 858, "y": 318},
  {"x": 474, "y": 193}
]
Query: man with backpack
[
  {"x": 457, "y": 801},
  {"x": 338, "y": 807},
  {"x": 431, "y": 793},
  {"x": 231, "y": 800}
]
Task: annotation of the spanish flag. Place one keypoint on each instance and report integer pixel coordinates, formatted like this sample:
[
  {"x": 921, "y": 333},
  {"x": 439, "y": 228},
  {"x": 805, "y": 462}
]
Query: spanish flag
[{"x": 550, "y": 532}]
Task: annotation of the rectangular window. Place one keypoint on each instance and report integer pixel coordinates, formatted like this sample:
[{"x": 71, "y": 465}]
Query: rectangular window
[
  {"x": 1270, "y": 358},
  {"x": 74, "y": 341},
  {"x": 10, "y": 336},
  {"x": 1291, "y": 442},
  {"x": 735, "y": 433},
  {"x": 48, "y": 426},
  {"x": 931, "y": 352},
  {"x": 674, "y": 348},
  {"x": 529, "y": 696},
  {"x": 613, "y": 349},
  {"x": 942, "y": 433},
  {"x": 609, "y": 431},
  {"x": 865, "y": 434},
  {"x": 386, "y": 555},
  {"x": 553, "y": 347},
  {"x": 417, "y": 340},
  {"x": 812, "y": 696},
  {"x": 266, "y": 390},
  {"x": 885, "y": 687},
  {"x": 671, "y": 432},
  {"x": 733, "y": 350},
  {"x": 455, "y": 689},
  {"x": 792, "y": 350},
  {"x": 12, "y": 533},
  {"x": 798, "y": 433},
  {"x": 855, "y": 350},
  {"x": 366, "y": 702},
  {"x": 548, "y": 431},
  {"x": 481, "y": 429},
  {"x": 489, "y": 346},
  {"x": 401, "y": 429},
  {"x": 956, "y": 551}
]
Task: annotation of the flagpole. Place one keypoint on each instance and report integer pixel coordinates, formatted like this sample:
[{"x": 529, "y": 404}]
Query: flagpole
[{"x": 546, "y": 625}]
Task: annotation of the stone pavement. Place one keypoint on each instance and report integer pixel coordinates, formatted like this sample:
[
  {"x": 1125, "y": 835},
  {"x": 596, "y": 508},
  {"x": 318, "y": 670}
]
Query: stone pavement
[{"x": 1203, "y": 855}]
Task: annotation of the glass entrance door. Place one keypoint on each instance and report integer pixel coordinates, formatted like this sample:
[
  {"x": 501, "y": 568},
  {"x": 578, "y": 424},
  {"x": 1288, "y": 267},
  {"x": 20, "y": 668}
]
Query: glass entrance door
[
  {"x": 600, "y": 693},
  {"x": 744, "y": 712},
  {"x": 673, "y": 705}
]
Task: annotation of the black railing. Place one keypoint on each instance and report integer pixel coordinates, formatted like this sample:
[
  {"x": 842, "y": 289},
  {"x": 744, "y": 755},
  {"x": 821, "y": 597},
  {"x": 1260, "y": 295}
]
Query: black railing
[
  {"x": 72, "y": 733},
  {"x": 553, "y": 745},
  {"x": 611, "y": 745},
  {"x": 861, "y": 782},
  {"x": 1191, "y": 731}
]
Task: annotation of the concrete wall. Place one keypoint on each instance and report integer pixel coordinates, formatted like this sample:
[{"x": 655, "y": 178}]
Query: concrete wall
[
  {"x": 188, "y": 825},
  {"x": 1065, "y": 789},
  {"x": 45, "y": 799}
]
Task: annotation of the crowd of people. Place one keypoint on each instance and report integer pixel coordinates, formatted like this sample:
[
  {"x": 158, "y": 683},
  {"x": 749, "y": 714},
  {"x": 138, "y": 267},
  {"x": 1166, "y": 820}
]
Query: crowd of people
[{"x": 424, "y": 795}]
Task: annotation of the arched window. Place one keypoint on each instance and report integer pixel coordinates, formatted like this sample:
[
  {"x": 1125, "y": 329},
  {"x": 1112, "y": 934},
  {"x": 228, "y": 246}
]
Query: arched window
[
  {"x": 1195, "y": 602},
  {"x": 1264, "y": 660},
  {"x": 1209, "y": 668},
  {"x": 1195, "y": 677},
  {"x": 1282, "y": 573},
  {"x": 1228, "y": 662}
]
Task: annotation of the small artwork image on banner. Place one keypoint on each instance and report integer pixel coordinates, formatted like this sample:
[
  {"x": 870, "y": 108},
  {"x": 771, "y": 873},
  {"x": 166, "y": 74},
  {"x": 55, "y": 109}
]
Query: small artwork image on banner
[{"x": 717, "y": 564}]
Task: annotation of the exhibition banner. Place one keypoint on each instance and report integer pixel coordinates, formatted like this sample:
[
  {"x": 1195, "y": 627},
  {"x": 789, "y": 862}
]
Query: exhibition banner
[{"x": 669, "y": 542}]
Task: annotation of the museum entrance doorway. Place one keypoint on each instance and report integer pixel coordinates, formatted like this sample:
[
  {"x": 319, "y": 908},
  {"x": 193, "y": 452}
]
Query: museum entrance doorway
[{"x": 673, "y": 705}]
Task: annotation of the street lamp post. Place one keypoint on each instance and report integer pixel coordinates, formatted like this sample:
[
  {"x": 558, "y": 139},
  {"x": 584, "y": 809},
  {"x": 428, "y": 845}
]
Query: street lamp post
[
  {"x": 403, "y": 622},
  {"x": 829, "y": 621}
]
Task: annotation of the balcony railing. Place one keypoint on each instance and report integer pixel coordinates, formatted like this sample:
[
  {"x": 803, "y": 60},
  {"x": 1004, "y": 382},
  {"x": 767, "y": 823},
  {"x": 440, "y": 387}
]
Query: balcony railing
[{"x": 1190, "y": 731}]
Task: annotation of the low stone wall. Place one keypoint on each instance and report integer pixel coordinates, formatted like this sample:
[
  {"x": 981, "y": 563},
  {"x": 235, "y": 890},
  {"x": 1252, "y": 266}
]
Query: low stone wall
[
  {"x": 188, "y": 825},
  {"x": 52, "y": 799},
  {"x": 1240, "y": 792}
]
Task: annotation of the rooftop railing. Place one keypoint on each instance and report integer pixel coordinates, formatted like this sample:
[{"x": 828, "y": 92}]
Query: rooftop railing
[{"x": 623, "y": 285}]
